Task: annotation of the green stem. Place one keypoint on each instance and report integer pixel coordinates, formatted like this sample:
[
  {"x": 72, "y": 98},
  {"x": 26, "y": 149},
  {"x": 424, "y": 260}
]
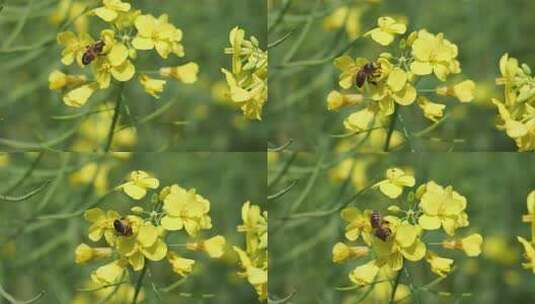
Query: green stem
[
  {"x": 115, "y": 118},
  {"x": 395, "y": 287},
  {"x": 140, "y": 282},
  {"x": 391, "y": 128}
]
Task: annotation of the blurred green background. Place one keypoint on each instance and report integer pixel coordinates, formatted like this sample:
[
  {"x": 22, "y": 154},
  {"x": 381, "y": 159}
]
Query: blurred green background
[
  {"x": 482, "y": 29},
  {"x": 38, "y": 236},
  {"x": 495, "y": 185},
  {"x": 196, "y": 117}
]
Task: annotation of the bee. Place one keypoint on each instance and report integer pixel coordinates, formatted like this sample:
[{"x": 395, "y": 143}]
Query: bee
[
  {"x": 92, "y": 51},
  {"x": 122, "y": 227},
  {"x": 368, "y": 72},
  {"x": 380, "y": 226}
]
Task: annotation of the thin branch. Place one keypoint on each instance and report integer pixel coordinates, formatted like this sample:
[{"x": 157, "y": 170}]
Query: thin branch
[{"x": 25, "y": 196}]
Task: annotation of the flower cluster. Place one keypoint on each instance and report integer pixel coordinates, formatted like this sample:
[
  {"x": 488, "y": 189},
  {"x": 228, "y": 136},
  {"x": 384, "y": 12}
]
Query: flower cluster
[
  {"x": 529, "y": 250},
  {"x": 113, "y": 54},
  {"x": 248, "y": 79},
  {"x": 378, "y": 86},
  {"x": 254, "y": 259},
  {"x": 348, "y": 17},
  {"x": 517, "y": 113},
  {"x": 70, "y": 9},
  {"x": 386, "y": 242},
  {"x": 132, "y": 240}
]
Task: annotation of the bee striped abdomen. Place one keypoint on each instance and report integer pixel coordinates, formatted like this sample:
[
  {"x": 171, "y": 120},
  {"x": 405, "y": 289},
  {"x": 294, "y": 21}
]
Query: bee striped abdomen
[
  {"x": 92, "y": 51},
  {"x": 122, "y": 227}
]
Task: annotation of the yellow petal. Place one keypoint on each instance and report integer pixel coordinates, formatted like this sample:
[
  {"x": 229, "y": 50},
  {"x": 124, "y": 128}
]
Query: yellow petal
[
  {"x": 421, "y": 68},
  {"x": 145, "y": 25},
  {"x": 118, "y": 54},
  {"x": 79, "y": 96},
  {"x": 105, "y": 13},
  {"x": 340, "y": 252},
  {"x": 215, "y": 246},
  {"x": 172, "y": 223},
  {"x": 163, "y": 48},
  {"x": 364, "y": 274},
  {"x": 256, "y": 275},
  {"x": 94, "y": 214},
  {"x": 126, "y": 245},
  {"x": 397, "y": 79},
  {"x": 406, "y": 234},
  {"x": 124, "y": 72},
  {"x": 156, "y": 252},
  {"x": 383, "y": 38},
  {"x": 472, "y": 244},
  {"x": 428, "y": 222},
  {"x": 147, "y": 235},
  {"x": 134, "y": 191},
  {"x": 108, "y": 274},
  {"x": 391, "y": 190},
  {"x": 415, "y": 252},
  {"x": 465, "y": 90},
  {"x": 142, "y": 43},
  {"x": 137, "y": 260}
]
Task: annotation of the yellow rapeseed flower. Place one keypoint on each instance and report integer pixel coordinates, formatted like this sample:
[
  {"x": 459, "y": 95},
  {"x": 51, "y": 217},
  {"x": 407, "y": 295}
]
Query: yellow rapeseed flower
[
  {"x": 180, "y": 265},
  {"x": 111, "y": 9},
  {"x": 361, "y": 120},
  {"x": 348, "y": 67},
  {"x": 84, "y": 253},
  {"x": 255, "y": 226},
  {"x": 529, "y": 254},
  {"x": 396, "y": 89},
  {"x": 439, "y": 265},
  {"x": 115, "y": 63},
  {"x": 347, "y": 17},
  {"x": 158, "y": 34},
  {"x": 92, "y": 173},
  {"x": 58, "y": 80},
  {"x": 337, "y": 100},
  {"x": 110, "y": 273},
  {"x": 101, "y": 224},
  {"x": 256, "y": 276},
  {"x": 471, "y": 245},
  {"x": 75, "y": 46},
  {"x": 434, "y": 54},
  {"x": 442, "y": 207},
  {"x": 342, "y": 252},
  {"x": 186, "y": 73},
  {"x": 464, "y": 91},
  {"x": 404, "y": 243},
  {"x": 138, "y": 183},
  {"x": 152, "y": 86},
  {"x": 145, "y": 242},
  {"x": 78, "y": 97},
  {"x": 364, "y": 274},
  {"x": 396, "y": 179},
  {"x": 358, "y": 224},
  {"x": 247, "y": 80},
  {"x": 72, "y": 10},
  {"x": 387, "y": 28},
  {"x": 432, "y": 110},
  {"x": 185, "y": 209},
  {"x": 254, "y": 259},
  {"x": 214, "y": 246}
]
